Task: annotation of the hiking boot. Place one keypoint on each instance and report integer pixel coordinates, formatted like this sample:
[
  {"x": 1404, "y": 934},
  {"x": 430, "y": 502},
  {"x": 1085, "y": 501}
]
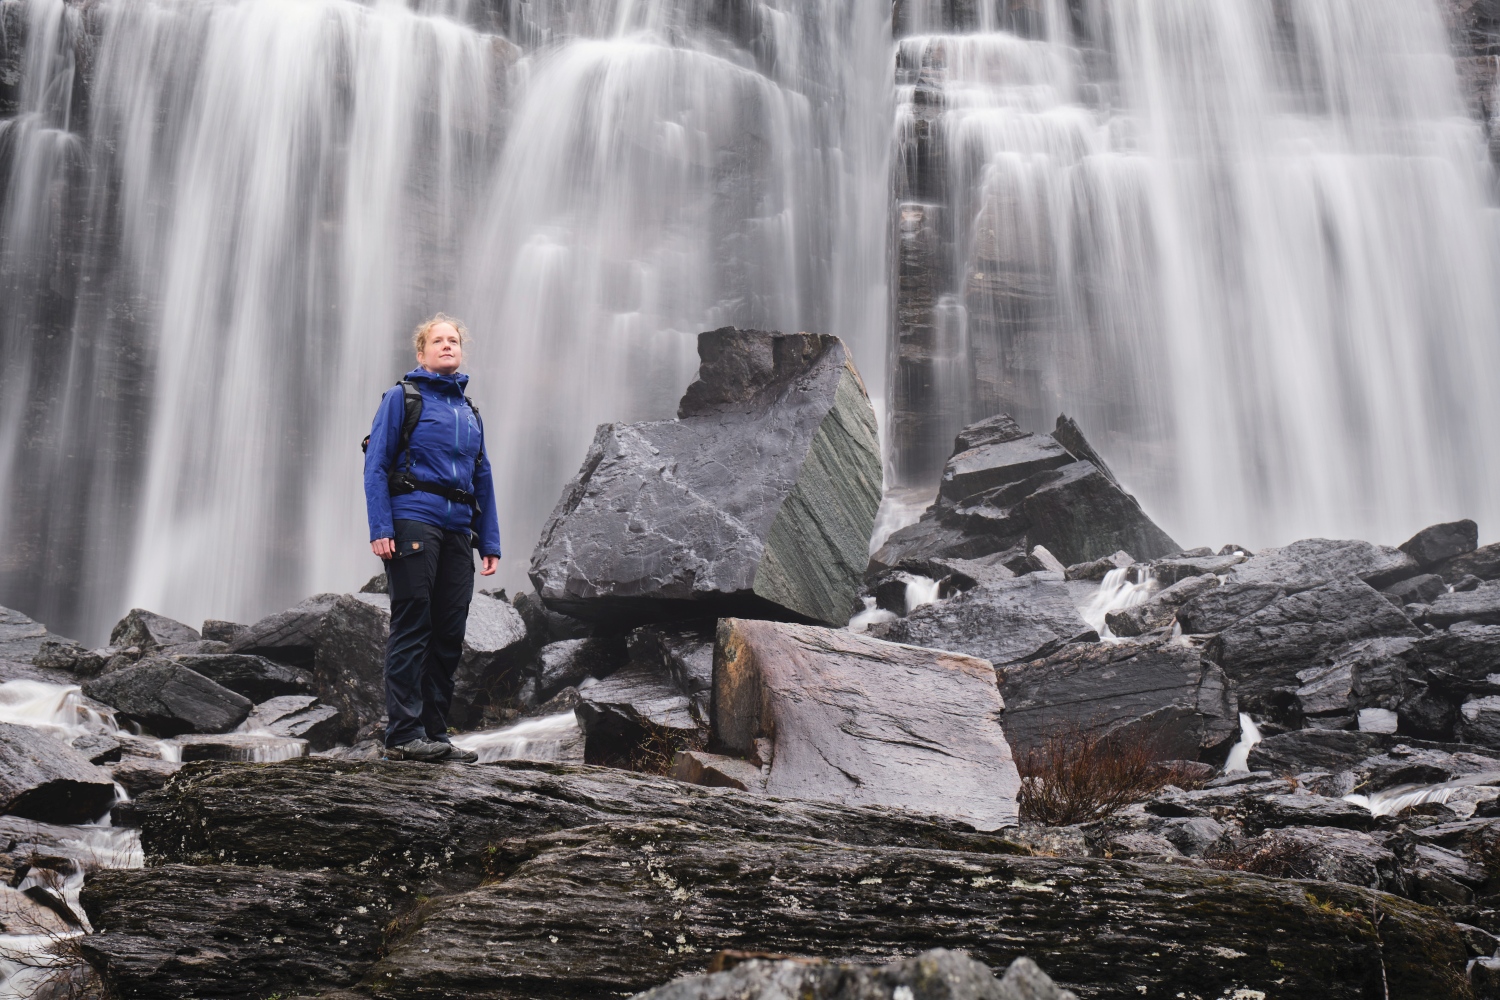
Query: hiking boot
[
  {"x": 419, "y": 749},
  {"x": 461, "y": 755}
]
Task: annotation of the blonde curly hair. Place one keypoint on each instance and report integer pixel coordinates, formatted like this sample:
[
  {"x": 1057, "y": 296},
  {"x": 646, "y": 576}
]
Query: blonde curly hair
[{"x": 424, "y": 329}]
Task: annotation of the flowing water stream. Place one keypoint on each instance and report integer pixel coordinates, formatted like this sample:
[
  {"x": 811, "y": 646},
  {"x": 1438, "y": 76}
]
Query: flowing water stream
[{"x": 1246, "y": 234}]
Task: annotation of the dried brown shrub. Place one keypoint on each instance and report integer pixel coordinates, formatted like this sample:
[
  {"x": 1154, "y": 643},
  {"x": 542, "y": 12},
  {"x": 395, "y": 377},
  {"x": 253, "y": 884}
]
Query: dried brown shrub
[
  {"x": 1279, "y": 857},
  {"x": 1080, "y": 774}
]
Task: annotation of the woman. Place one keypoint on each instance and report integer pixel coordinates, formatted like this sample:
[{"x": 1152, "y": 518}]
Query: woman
[{"x": 430, "y": 500}]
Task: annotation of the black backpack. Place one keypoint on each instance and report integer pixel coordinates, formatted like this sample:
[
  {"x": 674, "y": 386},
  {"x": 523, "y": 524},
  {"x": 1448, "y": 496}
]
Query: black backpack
[{"x": 401, "y": 480}]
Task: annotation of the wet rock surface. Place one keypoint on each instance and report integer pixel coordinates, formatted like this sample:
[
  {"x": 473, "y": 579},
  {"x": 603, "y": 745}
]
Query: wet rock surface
[
  {"x": 1164, "y": 693},
  {"x": 169, "y": 698},
  {"x": 712, "y": 513},
  {"x": 1001, "y": 622},
  {"x": 44, "y": 779},
  {"x": 859, "y": 721},
  {"x": 1004, "y": 488},
  {"x": 255, "y": 677}
]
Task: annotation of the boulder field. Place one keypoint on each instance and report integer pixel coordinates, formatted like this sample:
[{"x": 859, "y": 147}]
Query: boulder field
[{"x": 1032, "y": 749}]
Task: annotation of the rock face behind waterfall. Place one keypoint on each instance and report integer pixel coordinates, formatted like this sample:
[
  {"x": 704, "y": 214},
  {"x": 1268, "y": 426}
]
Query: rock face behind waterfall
[
  {"x": 1007, "y": 489},
  {"x": 759, "y": 499}
]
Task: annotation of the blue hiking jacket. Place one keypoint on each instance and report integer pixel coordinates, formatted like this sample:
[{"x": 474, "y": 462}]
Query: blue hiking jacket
[{"x": 444, "y": 446}]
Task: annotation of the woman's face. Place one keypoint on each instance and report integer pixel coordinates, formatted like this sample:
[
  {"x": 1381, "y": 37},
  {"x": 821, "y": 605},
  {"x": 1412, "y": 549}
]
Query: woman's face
[{"x": 443, "y": 352}]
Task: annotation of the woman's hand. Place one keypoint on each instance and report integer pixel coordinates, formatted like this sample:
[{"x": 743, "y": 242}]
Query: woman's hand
[
  {"x": 491, "y": 563},
  {"x": 384, "y": 547}
]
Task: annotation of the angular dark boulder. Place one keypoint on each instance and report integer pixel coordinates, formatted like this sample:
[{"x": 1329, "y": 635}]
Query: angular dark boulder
[
  {"x": 1434, "y": 544},
  {"x": 255, "y": 677},
  {"x": 684, "y": 652},
  {"x": 490, "y": 670},
  {"x": 1162, "y": 693},
  {"x": 21, "y": 638},
  {"x": 299, "y": 717},
  {"x": 1263, "y": 651},
  {"x": 933, "y": 975},
  {"x": 1483, "y": 563},
  {"x": 759, "y": 499},
  {"x": 148, "y": 631},
  {"x": 1480, "y": 606},
  {"x": 633, "y": 704},
  {"x": 1074, "y": 511},
  {"x": 1220, "y": 607},
  {"x": 139, "y": 775},
  {"x": 169, "y": 698},
  {"x": 859, "y": 721},
  {"x": 1417, "y": 589},
  {"x": 1107, "y": 928},
  {"x": 1000, "y": 461},
  {"x": 338, "y": 638},
  {"x": 42, "y": 778},
  {"x": 1312, "y": 750},
  {"x": 1312, "y": 562},
  {"x": 569, "y": 662},
  {"x": 1006, "y": 622}
]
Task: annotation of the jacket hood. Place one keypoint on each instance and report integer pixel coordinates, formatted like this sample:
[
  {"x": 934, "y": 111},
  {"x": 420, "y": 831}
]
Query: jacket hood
[{"x": 441, "y": 383}]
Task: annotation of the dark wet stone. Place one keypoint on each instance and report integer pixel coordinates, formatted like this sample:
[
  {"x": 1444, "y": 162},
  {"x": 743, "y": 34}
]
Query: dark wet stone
[
  {"x": 1480, "y": 606},
  {"x": 1263, "y": 651},
  {"x": 21, "y": 638},
  {"x": 569, "y": 662},
  {"x": 42, "y": 778},
  {"x": 255, "y": 677},
  {"x": 1434, "y": 544},
  {"x": 148, "y": 631},
  {"x": 139, "y": 775},
  {"x": 168, "y": 698},
  {"x": 1417, "y": 590},
  {"x": 1312, "y": 562},
  {"x": 1220, "y": 607},
  {"x": 1483, "y": 562},
  {"x": 1163, "y": 693},
  {"x": 759, "y": 499},
  {"x": 1005, "y": 622}
]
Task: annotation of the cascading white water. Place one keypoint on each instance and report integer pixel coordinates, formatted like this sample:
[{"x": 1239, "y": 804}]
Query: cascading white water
[
  {"x": 1245, "y": 235},
  {"x": 1248, "y": 244}
]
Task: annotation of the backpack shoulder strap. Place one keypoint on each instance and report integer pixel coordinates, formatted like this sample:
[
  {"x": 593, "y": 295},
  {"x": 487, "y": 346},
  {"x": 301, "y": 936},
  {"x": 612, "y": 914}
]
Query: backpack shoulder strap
[{"x": 412, "y": 396}]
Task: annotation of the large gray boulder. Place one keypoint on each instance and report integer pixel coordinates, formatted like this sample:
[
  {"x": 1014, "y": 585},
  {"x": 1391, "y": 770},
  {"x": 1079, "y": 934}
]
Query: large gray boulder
[
  {"x": 856, "y": 720},
  {"x": 42, "y": 778},
  {"x": 148, "y": 632},
  {"x": 1480, "y": 606},
  {"x": 1005, "y": 622},
  {"x": 933, "y": 975},
  {"x": 1312, "y": 562},
  {"x": 169, "y": 698},
  {"x": 1029, "y": 490},
  {"x": 1264, "y": 651},
  {"x": 255, "y": 677},
  {"x": 21, "y": 638},
  {"x": 759, "y": 498},
  {"x": 1434, "y": 544},
  {"x": 631, "y": 706},
  {"x": 1162, "y": 693}
]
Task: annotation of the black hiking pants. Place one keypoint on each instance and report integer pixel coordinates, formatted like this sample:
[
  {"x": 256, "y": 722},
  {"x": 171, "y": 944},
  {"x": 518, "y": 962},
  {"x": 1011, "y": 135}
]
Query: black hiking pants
[{"x": 431, "y": 581}]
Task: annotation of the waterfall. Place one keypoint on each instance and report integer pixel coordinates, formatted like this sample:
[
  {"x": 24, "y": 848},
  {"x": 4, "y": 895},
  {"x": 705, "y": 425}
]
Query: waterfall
[{"x": 1247, "y": 243}]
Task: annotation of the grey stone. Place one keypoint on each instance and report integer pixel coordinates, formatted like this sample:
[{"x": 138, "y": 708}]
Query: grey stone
[
  {"x": 1479, "y": 721},
  {"x": 21, "y": 638},
  {"x": 340, "y": 639},
  {"x": 717, "y": 771},
  {"x": 1160, "y": 609},
  {"x": 99, "y": 748},
  {"x": 255, "y": 677},
  {"x": 760, "y": 498},
  {"x": 1332, "y": 854},
  {"x": 631, "y": 703},
  {"x": 1192, "y": 835},
  {"x": 139, "y": 775},
  {"x": 1163, "y": 693},
  {"x": 1220, "y": 607},
  {"x": 491, "y": 668},
  {"x": 169, "y": 698},
  {"x": 1434, "y": 544},
  {"x": 1263, "y": 651},
  {"x": 1483, "y": 562},
  {"x": 1333, "y": 751},
  {"x": 567, "y": 663},
  {"x": 1305, "y": 809},
  {"x": 222, "y": 631},
  {"x": 296, "y": 717},
  {"x": 1422, "y": 589},
  {"x": 684, "y": 652},
  {"x": 148, "y": 631},
  {"x": 1312, "y": 562},
  {"x": 1480, "y": 605},
  {"x": 1099, "y": 568},
  {"x": 999, "y": 463},
  {"x": 860, "y": 721},
  {"x": 42, "y": 778},
  {"x": 1171, "y": 570},
  {"x": 1005, "y": 622},
  {"x": 1074, "y": 511}
]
